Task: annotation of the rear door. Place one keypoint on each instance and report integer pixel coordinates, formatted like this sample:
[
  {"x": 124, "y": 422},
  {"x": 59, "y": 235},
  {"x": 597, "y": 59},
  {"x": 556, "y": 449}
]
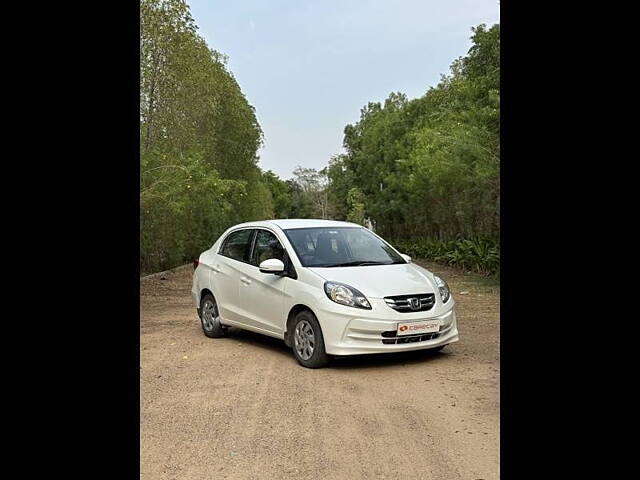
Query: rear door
[{"x": 226, "y": 271}]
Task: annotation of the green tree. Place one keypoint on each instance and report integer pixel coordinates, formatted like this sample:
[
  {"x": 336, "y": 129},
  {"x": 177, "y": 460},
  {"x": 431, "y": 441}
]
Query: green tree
[
  {"x": 311, "y": 189},
  {"x": 429, "y": 166},
  {"x": 355, "y": 201},
  {"x": 199, "y": 139},
  {"x": 280, "y": 193}
]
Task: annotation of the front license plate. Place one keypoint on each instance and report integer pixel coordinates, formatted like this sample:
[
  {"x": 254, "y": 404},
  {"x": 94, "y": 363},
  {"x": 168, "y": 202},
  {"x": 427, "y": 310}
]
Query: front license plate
[{"x": 416, "y": 328}]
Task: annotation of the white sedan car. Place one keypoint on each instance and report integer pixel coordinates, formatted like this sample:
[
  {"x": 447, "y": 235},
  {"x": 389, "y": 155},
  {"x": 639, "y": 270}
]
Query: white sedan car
[{"x": 326, "y": 288}]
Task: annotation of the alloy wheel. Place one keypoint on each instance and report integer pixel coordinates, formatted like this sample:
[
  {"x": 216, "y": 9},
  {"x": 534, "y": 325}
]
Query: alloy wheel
[
  {"x": 304, "y": 339},
  {"x": 210, "y": 317}
]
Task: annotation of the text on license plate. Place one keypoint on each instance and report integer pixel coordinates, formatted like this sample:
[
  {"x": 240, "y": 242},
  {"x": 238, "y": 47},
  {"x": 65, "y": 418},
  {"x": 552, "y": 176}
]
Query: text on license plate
[{"x": 416, "y": 328}]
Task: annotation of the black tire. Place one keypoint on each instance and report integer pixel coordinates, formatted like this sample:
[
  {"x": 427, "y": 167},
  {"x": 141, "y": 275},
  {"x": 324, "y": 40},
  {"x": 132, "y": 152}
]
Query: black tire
[
  {"x": 211, "y": 327},
  {"x": 319, "y": 357}
]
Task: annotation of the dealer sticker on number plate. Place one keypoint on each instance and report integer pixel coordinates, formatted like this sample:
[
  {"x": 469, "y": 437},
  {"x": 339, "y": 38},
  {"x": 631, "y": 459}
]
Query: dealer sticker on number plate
[{"x": 416, "y": 328}]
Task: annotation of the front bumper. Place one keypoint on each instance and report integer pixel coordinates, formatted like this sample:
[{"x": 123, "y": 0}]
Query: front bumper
[{"x": 371, "y": 331}]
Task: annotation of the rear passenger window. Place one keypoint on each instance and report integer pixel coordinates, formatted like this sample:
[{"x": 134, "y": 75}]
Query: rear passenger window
[{"x": 237, "y": 245}]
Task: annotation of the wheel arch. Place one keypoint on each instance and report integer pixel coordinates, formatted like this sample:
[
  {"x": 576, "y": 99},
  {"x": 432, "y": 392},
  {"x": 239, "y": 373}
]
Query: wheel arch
[
  {"x": 203, "y": 292},
  {"x": 297, "y": 308}
]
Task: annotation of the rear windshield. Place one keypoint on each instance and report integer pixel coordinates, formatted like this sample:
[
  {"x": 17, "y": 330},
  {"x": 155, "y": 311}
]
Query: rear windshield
[{"x": 340, "y": 247}]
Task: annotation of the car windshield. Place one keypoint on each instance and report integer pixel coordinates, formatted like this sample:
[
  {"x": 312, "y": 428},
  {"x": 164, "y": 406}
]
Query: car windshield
[{"x": 340, "y": 247}]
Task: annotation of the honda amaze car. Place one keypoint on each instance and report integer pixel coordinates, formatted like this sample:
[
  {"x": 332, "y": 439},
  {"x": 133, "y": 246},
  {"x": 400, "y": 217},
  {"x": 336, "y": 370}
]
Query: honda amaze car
[{"x": 326, "y": 288}]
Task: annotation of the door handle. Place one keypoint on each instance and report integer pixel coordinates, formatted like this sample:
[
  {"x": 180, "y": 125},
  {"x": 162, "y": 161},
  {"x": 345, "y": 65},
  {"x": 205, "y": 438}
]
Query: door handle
[
  {"x": 216, "y": 269},
  {"x": 245, "y": 280}
]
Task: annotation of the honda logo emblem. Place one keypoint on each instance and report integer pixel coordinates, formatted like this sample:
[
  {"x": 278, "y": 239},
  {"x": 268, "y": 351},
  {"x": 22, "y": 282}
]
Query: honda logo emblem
[{"x": 415, "y": 303}]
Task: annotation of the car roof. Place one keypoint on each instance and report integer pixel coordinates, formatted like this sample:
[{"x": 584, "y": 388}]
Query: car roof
[{"x": 299, "y": 223}]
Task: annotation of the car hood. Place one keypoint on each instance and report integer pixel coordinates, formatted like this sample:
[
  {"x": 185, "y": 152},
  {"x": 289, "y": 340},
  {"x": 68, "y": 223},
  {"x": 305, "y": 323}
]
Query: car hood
[{"x": 377, "y": 281}]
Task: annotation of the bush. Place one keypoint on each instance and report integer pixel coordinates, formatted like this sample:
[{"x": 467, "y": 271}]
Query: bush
[{"x": 477, "y": 254}]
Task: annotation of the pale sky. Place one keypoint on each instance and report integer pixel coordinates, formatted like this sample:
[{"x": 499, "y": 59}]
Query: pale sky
[{"x": 308, "y": 67}]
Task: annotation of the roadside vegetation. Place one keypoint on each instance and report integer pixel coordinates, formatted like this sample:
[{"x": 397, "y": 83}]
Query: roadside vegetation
[
  {"x": 476, "y": 254},
  {"x": 424, "y": 172}
]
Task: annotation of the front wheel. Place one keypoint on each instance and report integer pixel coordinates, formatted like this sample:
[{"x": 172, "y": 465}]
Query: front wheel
[{"x": 308, "y": 342}]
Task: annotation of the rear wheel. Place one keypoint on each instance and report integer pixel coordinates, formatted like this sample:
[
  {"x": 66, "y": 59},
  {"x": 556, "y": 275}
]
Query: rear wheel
[
  {"x": 308, "y": 342},
  {"x": 210, "y": 318}
]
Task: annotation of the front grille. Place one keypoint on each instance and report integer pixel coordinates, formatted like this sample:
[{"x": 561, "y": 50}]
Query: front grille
[
  {"x": 407, "y": 338},
  {"x": 419, "y": 302}
]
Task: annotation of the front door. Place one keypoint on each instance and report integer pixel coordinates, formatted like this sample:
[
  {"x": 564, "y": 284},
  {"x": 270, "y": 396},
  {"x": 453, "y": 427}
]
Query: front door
[{"x": 261, "y": 295}]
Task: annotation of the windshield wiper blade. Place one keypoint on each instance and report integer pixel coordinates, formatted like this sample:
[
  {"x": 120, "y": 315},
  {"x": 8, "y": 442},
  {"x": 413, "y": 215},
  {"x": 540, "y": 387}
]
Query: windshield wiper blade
[{"x": 356, "y": 264}]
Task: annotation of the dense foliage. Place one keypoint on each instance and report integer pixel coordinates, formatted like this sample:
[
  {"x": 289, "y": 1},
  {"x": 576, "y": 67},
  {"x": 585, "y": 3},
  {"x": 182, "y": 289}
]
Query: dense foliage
[
  {"x": 198, "y": 142},
  {"x": 429, "y": 166},
  {"x": 478, "y": 254},
  {"x": 425, "y": 169}
]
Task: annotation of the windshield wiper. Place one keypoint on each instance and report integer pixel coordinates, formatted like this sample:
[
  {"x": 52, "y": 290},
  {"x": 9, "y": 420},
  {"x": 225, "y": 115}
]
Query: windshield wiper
[{"x": 357, "y": 264}]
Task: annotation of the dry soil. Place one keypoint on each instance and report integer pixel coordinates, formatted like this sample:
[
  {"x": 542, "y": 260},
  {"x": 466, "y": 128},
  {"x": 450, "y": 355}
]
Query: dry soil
[{"x": 240, "y": 407}]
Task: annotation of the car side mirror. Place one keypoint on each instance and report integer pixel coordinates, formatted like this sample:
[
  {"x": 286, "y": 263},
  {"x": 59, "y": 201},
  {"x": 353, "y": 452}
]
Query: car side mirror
[
  {"x": 273, "y": 265},
  {"x": 406, "y": 258}
]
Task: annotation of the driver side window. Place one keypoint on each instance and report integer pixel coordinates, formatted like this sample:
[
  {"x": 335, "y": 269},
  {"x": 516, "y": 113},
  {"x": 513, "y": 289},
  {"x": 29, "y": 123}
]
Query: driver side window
[{"x": 267, "y": 246}]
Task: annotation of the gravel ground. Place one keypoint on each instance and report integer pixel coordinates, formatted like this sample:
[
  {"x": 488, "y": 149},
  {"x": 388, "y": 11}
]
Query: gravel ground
[{"x": 241, "y": 407}]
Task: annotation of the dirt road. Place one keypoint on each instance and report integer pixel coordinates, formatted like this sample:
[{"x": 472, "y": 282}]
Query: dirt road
[{"x": 241, "y": 407}]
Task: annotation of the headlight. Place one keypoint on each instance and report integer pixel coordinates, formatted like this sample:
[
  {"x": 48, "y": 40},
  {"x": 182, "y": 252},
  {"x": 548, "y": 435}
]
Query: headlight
[
  {"x": 443, "y": 287},
  {"x": 346, "y": 295}
]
